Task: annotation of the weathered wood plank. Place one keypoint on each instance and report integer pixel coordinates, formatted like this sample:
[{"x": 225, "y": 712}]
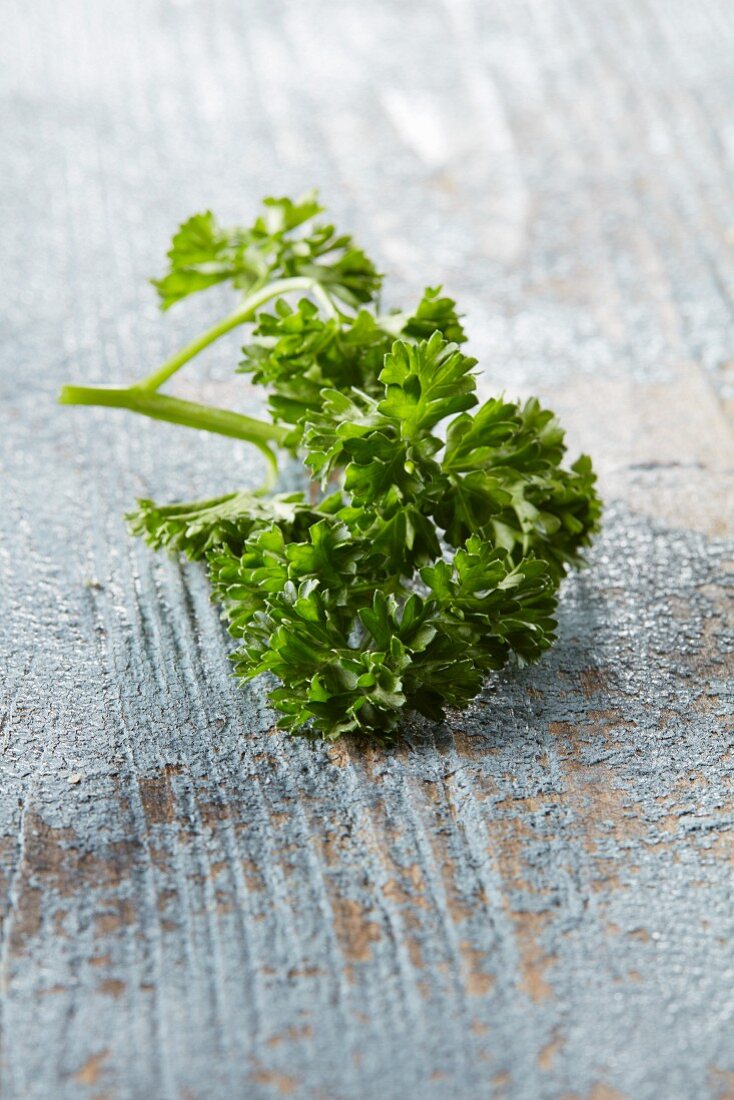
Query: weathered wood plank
[{"x": 536, "y": 899}]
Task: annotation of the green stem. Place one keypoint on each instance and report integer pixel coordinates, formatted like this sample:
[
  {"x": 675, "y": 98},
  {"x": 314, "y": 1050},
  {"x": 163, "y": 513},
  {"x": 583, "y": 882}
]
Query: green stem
[
  {"x": 245, "y": 312},
  {"x": 176, "y": 411},
  {"x": 142, "y": 397}
]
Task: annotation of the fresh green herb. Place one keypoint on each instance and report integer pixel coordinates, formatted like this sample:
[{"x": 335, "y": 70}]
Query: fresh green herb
[{"x": 435, "y": 548}]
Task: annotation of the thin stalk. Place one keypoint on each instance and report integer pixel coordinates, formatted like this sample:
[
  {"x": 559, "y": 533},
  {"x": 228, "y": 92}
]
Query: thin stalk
[
  {"x": 176, "y": 411},
  {"x": 244, "y": 312}
]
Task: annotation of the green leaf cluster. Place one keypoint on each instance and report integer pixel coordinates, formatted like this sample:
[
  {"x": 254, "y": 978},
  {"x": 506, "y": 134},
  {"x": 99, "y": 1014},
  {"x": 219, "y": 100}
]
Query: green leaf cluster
[
  {"x": 283, "y": 242},
  {"x": 299, "y": 353},
  {"x": 437, "y": 530}
]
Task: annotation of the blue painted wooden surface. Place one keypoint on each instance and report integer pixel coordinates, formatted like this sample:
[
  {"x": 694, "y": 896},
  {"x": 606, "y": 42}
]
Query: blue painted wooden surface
[{"x": 534, "y": 901}]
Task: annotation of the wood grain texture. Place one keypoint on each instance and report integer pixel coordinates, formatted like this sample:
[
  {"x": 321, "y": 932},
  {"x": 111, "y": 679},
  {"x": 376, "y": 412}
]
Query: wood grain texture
[{"x": 535, "y": 900}]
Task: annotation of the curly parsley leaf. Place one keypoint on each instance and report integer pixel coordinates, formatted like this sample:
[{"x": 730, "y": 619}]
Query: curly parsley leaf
[
  {"x": 283, "y": 242},
  {"x": 198, "y": 527},
  {"x": 298, "y": 353}
]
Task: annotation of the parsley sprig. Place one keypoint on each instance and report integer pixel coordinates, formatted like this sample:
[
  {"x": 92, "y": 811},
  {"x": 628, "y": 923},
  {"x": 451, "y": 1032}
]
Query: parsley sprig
[{"x": 434, "y": 549}]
